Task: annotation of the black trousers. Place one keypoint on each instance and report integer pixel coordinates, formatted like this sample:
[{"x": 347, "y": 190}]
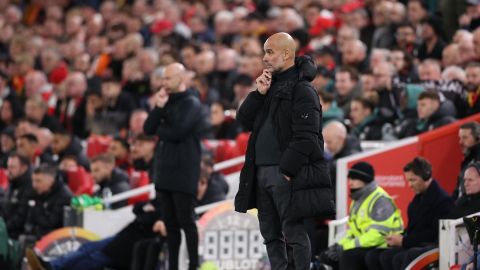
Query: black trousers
[
  {"x": 393, "y": 258},
  {"x": 145, "y": 253},
  {"x": 179, "y": 213},
  {"x": 276, "y": 226},
  {"x": 353, "y": 259}
]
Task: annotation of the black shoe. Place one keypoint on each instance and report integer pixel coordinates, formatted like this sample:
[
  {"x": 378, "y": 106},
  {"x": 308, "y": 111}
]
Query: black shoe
[{"x": 36, "y": 262}]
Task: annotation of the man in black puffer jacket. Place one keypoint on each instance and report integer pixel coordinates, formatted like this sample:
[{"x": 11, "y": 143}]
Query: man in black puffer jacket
[
  {"x": 44, "y": 211},
  {"x": 177, "y": 120},
  {"x": 285, "y": 175}
]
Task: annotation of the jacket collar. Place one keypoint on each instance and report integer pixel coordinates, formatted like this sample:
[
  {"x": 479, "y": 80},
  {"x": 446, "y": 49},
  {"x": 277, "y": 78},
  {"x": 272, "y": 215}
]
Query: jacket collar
[
  {"x": 286, "y": 75},
  {"x": 430, "y": 192},
  {"x": 364, "y": 192},
  {"x": 57, "y": 185},
  {"x": 21, "y": 181},
  {"x": 180, "y": 95},
  {"x": 473, "y": 197},
  {"x": 361, "y": 126}
]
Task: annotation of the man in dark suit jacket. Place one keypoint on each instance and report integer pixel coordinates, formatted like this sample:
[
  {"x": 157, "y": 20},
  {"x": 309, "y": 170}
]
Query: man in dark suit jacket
[{"x": 430, "y": 204}]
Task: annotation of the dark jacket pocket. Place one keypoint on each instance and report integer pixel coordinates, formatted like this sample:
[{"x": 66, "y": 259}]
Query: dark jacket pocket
[{"x": 312, "y": 203}]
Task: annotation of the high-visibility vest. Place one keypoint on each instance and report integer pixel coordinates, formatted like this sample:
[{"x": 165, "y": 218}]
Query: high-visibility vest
[{"x": 364, "y": 230}]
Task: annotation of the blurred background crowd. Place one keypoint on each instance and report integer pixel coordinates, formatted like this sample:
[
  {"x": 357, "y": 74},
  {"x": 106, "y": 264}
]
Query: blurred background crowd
[{"x": 77, "y": 79}]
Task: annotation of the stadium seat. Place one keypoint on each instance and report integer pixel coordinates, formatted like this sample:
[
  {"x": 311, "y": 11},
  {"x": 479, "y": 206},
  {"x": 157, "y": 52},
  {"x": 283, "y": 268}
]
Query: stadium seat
[
  {"x": 97, "y": 144},
  {"x": 80, "y": 181},
  {"x": 138, "y": 179},
  {"x": 3, "y": 179}
]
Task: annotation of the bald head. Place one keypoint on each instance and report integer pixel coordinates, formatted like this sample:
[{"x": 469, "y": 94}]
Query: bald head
[
  {"x": 34, "y": 82},
  {"x": 173, "y": 78},
  {"x": 334, "y": 134},
  {"x": 279, "y": 52},
  {"x": 205, "y": 62},
  {"x": 76, "y": 83},
  {"x": 354, "y": 52},
  {"x": 227, "y": 60},
  {"x": 451, "y": 55},
  {"x": 283, "y": 41},
  {"x": 175, "y": 68}
]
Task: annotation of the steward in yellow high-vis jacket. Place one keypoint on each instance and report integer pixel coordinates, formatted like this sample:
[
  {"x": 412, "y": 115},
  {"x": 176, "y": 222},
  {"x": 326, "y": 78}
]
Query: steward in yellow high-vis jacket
[{"x": 373, "y": 215}]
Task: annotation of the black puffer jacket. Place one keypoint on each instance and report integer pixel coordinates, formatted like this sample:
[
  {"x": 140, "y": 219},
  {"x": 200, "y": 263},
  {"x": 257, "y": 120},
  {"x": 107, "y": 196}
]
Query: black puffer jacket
[
  {"x": 297, "y": 123},
  {"x": 44, "y": 212},
  {"x": 176, "y": 163}
]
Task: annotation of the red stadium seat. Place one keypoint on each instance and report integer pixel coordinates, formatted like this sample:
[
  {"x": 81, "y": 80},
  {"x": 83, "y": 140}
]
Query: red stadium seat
[
  {"x": 223, "y": 150},
  {"x": 227, "y": 150},
  {"x": 138, "y": 179},
  {"x": 80, "y": 181},
  {"x": 97, "y": 144},
  {"x": 3, "y": 179},
  {"x": 242, "y": 142}
]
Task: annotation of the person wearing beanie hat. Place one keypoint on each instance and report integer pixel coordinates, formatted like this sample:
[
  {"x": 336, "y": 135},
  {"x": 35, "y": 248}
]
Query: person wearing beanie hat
[
  {"x": 362, "y": 171},
  {"x": 373, "y": 214}
]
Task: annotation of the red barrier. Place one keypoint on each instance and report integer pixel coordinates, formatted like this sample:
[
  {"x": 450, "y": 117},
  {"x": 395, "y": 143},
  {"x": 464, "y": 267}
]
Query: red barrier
[{"x": 441, "y": 148}]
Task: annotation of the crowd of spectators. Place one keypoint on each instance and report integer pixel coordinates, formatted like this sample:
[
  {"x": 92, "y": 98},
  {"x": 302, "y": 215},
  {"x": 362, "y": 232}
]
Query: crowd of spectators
[{"x": 71, "y": 71}]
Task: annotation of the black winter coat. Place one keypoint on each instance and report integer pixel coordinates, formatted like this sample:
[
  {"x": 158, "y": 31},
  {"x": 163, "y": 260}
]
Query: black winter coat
[
  {"x": 177, "y": 155},
  {"x": 424, "y": 212},
  {"x": 17, "y": 194},
  {"x": 297, "y": 123},
  {"x": 44, "y": 212}
]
